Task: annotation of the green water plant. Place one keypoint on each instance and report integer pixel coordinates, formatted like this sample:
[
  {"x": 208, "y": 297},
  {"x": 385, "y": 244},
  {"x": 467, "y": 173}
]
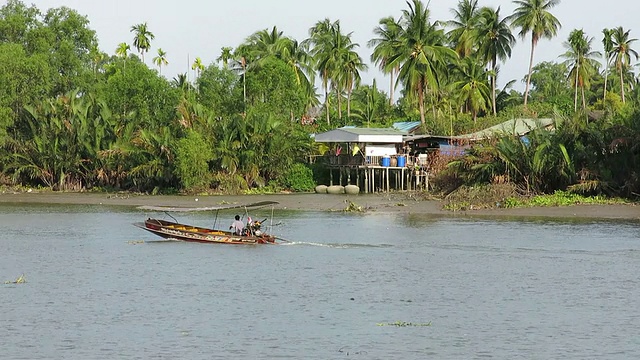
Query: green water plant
[
  {"x": 19, "y": 280},
  {"x": 559, "y": 198},
  {"x": 404, "y": 324},
  {"x": 353, "y": 207}
]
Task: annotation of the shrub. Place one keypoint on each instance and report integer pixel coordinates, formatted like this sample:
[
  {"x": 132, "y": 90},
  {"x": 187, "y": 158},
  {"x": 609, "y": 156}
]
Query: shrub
[{"x": 298, "y": 178}]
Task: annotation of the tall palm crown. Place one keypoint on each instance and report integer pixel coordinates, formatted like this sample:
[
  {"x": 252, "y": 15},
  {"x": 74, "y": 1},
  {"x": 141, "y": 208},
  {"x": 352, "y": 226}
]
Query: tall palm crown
[
  {"x": 472, "y": 88},
  {"x": 421, "y": 55},
  {"x": 197, "y": 66},
  {"x": 495, "y": 42},
  {"x": 607, "y": 43},
  {"x": 123, "y": 50},
  {"x": 226, "y": 54},
  {"x": 533, "y": 17},
  {"x": 621, "y": 53},
  {"x": 161, "y": 59},
  {"x": 350, "y": 76},
  {"x": 463, "y": 34},
  {"x": 331, "y": 49},
  {"x": 581, "y": 61},
  {"x": 388, "y": 37},
  {"x": 142, "y": 38},
  {"x": 265, "y": 45}
]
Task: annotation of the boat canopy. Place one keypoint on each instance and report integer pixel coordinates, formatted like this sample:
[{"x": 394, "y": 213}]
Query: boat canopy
[{"x": 207, "y": 208}]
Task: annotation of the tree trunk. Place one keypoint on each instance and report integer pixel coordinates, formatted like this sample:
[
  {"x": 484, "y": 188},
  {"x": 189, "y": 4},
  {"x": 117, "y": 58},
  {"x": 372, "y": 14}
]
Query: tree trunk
[
  {"x": 621, "y": 84},
  {"x": 326, "y": 102},
  {"x": 339, "y": 96},
  {"x": 493, "y": 87},
  {"x": 534, "y": 41},
  {"x": 575, "y": 92},
  {"x": 584, "y": 104},
  {"x": 349, "y": 103},
  {"x": 606, "y": 72},
  {"x": 391, "y": 89},
  {"x": 421, "y": 103}
]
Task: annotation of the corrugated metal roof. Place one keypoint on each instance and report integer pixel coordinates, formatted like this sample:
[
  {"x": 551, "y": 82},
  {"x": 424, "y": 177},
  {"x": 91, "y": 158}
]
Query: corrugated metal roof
[
  {"x": 365, "y": 135},
  {"x": 406, "y": 126},
  {"x": 517, "y": 127},
  {"x": 372, "y": 131}
]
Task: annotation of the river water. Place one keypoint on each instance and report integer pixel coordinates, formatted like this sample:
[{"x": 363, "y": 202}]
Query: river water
[{"x": 488, "y": 289}]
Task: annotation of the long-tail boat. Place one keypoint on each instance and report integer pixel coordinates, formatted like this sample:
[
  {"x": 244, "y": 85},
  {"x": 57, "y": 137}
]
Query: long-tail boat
[{"x": 251, "y": 234}]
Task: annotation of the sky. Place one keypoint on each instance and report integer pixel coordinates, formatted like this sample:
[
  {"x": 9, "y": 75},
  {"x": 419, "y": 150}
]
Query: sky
[{"x": 200, "y": 28}]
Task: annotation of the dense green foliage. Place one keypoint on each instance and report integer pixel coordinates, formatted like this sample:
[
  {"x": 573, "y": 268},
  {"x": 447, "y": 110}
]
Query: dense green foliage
[{"x": 73, "y": 117}]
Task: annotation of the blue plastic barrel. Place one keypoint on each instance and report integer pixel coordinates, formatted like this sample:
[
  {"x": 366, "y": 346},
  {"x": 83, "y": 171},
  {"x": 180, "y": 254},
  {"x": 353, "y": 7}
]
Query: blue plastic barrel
[
  {"x": 386, "y": 161},
  {"x": 402, "y": 161}
]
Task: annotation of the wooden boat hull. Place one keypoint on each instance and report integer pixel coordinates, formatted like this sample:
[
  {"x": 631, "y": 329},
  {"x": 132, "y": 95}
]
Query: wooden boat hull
[{"x": 173, "y": 230}]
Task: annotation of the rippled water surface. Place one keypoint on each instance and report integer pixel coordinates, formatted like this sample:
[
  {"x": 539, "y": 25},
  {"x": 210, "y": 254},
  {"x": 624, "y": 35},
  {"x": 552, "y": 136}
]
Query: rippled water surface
[{"x": 490, "y": 289}]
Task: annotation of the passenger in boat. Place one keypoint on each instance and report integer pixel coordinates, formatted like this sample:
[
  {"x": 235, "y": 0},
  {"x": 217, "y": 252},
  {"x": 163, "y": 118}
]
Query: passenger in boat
[{"x": 237, "y": 226}]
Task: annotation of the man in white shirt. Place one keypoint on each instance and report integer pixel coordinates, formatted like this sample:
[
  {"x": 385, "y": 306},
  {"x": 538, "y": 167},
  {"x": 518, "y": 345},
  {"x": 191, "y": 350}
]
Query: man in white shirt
[{"x": 237, "y": 226}]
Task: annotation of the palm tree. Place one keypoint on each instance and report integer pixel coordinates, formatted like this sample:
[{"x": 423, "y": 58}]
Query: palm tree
[
  {"x": 621, "y": 53},
  {"x": 181, "y": 82},
  {"x": 420, "y": 54},
  {"x": 266, "y": 45},
  {"x": 462, "y": 35},
  {"x": 298, "y": 57},
  {"x": 472, "y": 87},
  {"x": 607, "y": 43},
  {"x": 330, "y": 49},
  {"x": 581, "y": 61},
  {"x": 123, "y": 51},
  {"x": 142, "y": 38},
  {"x": 161, "y": 59},
  {"x": 351, "y": 75},
  {"x": 388, "y": 33},
  {"x": 533, "y": 16},
  {"x": 495, "y": 42},
  {"x": 197, "y": 67},
  {"x": 226, "y": 54}
]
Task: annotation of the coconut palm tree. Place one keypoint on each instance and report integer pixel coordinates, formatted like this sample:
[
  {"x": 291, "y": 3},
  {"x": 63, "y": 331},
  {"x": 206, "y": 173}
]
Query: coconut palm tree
[
  {"x": 161, "y": 59},
  {"x": 607, "y": 43},
  {"x": 421, "y": 54},
  {"x": 142, "y": 38},
  {"x": 495, "y": 43},
  {"x": 581, "y": 62},
  {"x": 351, "y": 75},
  {"x": 472, "y": 88},
  {"x": 621, "y": 54},
  {"x": 533, "y": 17},
  {"x": 225, "y": 55},
  {"x": 463, "y": 35},
  {"x": 264, "y": 45},
  {"x": 330, "y": 49},
  {"x": 298, "y": 57},
  {"x": 388, "y": 36}
]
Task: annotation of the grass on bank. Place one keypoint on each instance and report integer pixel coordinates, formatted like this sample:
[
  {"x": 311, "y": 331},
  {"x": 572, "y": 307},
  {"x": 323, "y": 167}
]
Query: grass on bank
[{"x": 506, "y": 196}]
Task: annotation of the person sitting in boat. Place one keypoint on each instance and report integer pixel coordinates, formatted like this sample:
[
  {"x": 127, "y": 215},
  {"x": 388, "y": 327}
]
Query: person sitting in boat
[{"x": 237, "y": 226}]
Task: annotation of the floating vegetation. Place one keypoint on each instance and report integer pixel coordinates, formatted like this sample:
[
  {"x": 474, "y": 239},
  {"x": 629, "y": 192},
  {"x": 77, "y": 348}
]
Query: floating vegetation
[
  {"x": 404, "y": 324},
  {"x": 400, "y": 204},
  {"x": 20, "y": 280},
  {"x": 135, "y": 242},
  {"x": 353, "y": 207}
]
